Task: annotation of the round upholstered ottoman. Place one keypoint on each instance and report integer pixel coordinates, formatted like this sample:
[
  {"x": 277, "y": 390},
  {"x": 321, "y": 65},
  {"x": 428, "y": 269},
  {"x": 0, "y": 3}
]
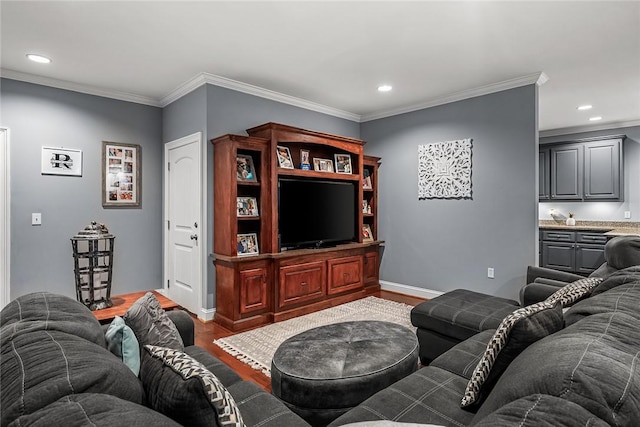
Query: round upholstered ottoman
[{"x": 323, "y": 372}]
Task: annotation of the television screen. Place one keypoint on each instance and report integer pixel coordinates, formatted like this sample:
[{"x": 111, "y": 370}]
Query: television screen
[{"x": 315, "y": 212}]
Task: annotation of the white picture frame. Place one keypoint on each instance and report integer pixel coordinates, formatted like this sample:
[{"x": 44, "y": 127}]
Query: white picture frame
[
  {"x": 284, "y": 157},
  {"x": 343, "y": 164},
  {"x": 248, "y": 244},
  {"x": 61, "y": 161}
]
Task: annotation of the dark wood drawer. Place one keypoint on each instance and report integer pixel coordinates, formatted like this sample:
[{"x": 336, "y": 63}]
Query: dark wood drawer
[
  {"x": 345, "y": 274},
  {"x": 301, "y": 282}
]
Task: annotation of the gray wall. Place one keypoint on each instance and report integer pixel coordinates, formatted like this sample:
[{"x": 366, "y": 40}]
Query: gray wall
[
  {"x": 441, "y": 244},
  {"x": 41, "y": 256},
  {"x": 227, "y": 111},
  {"x": 605, "y": 211}
]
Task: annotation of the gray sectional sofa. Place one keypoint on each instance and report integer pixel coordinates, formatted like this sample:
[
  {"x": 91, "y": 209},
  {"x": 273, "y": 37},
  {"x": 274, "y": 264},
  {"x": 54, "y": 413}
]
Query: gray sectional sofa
[
  {"x": 56, "y": 371},
  {"x": 585, "y": 374}
]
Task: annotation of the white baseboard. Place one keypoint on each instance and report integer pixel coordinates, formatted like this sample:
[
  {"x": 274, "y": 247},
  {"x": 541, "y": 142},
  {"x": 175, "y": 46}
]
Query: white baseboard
[
  {"x": 206, "y": 314},
  {"x": 409, "y": 290}
]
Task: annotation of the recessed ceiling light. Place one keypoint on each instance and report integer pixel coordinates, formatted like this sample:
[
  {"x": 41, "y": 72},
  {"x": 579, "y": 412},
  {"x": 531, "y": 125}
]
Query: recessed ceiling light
[
  {"x": 585, "y": 107},
  {"x": 38, "y": 58},
  {"x": 595, "y": 119},
  {"x": 384, "y": 88}
]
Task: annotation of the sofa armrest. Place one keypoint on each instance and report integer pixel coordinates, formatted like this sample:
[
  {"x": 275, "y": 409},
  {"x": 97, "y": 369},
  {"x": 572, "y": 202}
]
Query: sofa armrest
[
  {"x": 184, "y": 323},
  {"x": 536, "y": 292},
  {"x": 548, "y": 273}
]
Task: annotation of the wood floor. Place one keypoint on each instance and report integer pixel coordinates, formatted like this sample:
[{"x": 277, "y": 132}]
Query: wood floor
[{"x": 207, "y": 332}]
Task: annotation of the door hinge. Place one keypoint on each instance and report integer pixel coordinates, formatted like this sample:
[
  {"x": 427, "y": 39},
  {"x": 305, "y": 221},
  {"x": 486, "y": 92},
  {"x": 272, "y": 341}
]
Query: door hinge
[
  {"x": 168, "y": 224},
  {"x": 168, "y": 283},
  {"x": 168, "y": 166}
]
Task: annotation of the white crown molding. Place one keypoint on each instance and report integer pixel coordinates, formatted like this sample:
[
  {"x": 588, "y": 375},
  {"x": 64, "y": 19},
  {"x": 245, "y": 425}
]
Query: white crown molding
[
  {"x": 76, "y": 87},
  {"x": 587, "y": 128},
  {"x": 409, "y": 290},
  {"x": 535, "y": 78},
  {"x": 212, "y": 79}
]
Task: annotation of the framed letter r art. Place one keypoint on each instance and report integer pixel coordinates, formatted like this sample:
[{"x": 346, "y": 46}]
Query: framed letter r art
[{"x": 121, "y": 175}]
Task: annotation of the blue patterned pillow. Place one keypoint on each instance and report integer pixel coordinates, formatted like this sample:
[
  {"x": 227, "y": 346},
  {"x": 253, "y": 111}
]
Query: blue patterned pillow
[{"x": 184, "y": 390}]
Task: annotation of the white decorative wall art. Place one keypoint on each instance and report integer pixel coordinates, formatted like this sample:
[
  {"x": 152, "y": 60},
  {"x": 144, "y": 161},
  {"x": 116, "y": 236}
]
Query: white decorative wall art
[
  {"x": 444, "y": 170},
  {"x": 61, "y": 161}
]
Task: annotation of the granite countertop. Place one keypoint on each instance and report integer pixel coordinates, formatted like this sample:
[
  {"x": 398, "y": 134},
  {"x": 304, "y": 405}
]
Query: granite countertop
[{"x": 610, "y": 228}]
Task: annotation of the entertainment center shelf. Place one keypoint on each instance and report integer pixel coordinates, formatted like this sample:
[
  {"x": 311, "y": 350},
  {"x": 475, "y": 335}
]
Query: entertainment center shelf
[{"x": 257, "y": 281}]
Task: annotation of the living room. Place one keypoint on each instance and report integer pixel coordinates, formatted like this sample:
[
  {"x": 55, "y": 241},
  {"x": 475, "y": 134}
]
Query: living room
[{"x": 430, "y": 246}]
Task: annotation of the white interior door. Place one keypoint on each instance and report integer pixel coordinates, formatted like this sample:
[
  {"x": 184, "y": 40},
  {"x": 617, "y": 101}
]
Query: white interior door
[{"x": 184, "y": 243}]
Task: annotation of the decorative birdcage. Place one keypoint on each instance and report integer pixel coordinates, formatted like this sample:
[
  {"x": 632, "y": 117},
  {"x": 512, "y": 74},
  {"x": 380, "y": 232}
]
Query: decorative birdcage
[{"x": 93, "y": 265}]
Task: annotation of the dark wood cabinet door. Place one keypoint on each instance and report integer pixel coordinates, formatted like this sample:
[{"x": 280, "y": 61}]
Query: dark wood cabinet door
[
  {"x": 301, "y": 282},
  {"x": 254, "y": 294},
  {"x": 371, "y": 267},
  {"x": 544, "y": 186},
  {"x": 345, "y": 274}
]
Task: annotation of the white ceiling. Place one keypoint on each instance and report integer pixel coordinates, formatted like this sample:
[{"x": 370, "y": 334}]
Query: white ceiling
[{"x": 335, "y": 54}]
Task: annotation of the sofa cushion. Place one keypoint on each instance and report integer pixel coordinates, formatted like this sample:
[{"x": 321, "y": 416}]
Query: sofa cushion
[
  {"x": 47, "y": 311},
  {"x": 151, "y": 324},
  {"x": 540, "y": 410},
  {"x": 259, "y": 407},
  {"x": 515, "y": 333},
  {"x": 41, "y": 366},
  {"x": 631, "y": 274},
  {"x": 593, "y": 363},
  {"x": 90, "y": 409},
  {"x": 122, "y": 342},
  {"x": 180, "y": 387},
  {"x": 574, "y": 291},
  {"x": 464, "y": 356},
  {"x": 461, "y": 313},
  {"x": 623, "y": 298},
  {"x": 429, "y": 395}
]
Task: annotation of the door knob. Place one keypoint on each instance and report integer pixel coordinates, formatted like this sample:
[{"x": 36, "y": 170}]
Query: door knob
[{"x": 194, "y": 237}]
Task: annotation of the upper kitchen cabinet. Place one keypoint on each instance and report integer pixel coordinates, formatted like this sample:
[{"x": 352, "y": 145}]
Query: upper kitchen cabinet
[{"x": 582, "y": 170}]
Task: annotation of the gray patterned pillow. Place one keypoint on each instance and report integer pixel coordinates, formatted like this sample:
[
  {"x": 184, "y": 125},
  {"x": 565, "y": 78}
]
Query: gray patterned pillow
[
  {"x": 516, "y": 332},
  {"x": 181, "y": 397},
  {"x": 151, "y": 324},
  {"x": 574, "y": 291}
]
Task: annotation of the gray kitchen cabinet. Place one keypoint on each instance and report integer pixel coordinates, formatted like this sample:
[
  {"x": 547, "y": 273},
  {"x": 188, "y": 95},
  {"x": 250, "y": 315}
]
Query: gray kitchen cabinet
[
  {"x": 588, "y": 169},
  {"x": 544, "y": 174},
  {"x": 580, "y": 252},
  {"x": 602, "y": 170},
  {"x": 566, "y": 171}
]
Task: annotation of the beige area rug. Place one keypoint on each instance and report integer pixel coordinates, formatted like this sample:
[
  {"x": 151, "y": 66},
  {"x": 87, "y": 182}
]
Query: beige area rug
[{"x": 257, "y": 347}]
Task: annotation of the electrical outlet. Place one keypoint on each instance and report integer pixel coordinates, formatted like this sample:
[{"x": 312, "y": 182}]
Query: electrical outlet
[
  {"x": 490, "y": 273},
  {"x": 36, "y": 219},
  {"x": 627, "y": 214}
]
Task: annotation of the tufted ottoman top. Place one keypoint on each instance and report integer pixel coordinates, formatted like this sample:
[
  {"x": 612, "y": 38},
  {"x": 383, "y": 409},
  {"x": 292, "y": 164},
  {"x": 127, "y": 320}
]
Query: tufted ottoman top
[{"x": 336, "y": 367}]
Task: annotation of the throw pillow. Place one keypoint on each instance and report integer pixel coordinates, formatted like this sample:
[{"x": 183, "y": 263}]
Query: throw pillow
[
  {"x": 514, "y": 334},
  {"x": 180, "y": 387},
  {"x": 122, "y": 342},
  {"x": 574, "y": 291},
  {"x": 151, "y": 324}
]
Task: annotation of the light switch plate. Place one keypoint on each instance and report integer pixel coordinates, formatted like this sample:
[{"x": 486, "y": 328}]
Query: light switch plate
[{"x": 36, "y": 219}]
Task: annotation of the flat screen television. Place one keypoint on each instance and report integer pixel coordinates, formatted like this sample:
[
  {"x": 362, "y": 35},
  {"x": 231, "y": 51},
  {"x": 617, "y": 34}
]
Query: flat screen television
[{"x": 316, "y": 213}]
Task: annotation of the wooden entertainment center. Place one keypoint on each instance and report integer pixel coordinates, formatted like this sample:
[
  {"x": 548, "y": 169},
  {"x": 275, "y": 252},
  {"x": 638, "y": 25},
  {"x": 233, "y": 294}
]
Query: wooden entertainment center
[{"x": 273, "y": 285}]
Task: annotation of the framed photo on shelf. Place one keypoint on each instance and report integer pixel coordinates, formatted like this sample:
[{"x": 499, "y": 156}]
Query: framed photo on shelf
[
  {"x": 366, "y": 182},
  {"x": 343, "y": 163},
  {"x": 304, "y": 160},
  {"x": 247, "y": 244},
  {"x": 367, "y": 235},
  {"x": 323, "y": 165},
  {"x": 121, "y": 175},
  {"x": 245, "y": 171},
  {"x": 284, "y": 157},
  {"x": 247, "y": 206},
  {"x": 366, "y": 207}
]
